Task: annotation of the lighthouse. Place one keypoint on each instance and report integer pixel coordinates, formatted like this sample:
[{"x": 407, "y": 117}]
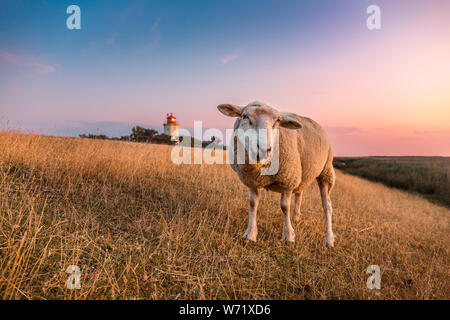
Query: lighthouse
[{"x": 171, "y": 127}]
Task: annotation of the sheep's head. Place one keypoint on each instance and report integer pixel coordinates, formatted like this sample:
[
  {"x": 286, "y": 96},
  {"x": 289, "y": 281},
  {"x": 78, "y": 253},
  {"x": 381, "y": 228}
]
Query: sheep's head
[{"x": 257, "y": 122}]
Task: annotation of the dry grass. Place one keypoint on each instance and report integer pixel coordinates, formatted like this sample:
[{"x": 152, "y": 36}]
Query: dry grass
[
  {"x": 141, "y": 227},
  {"x": 429, "y": 176}
]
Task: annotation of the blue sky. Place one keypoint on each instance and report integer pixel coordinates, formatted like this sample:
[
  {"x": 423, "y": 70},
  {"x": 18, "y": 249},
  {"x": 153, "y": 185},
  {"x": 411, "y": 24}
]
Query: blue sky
[{"x": 136, "y": 47}]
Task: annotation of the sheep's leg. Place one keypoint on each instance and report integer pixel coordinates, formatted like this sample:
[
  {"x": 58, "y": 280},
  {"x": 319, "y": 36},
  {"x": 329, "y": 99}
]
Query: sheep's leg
[
  {"x": 252, "y": 230},
  {"x": 288, "y": 231},
  {"x": 328, "y": 211},
  {"x": 296, "y": 207}
]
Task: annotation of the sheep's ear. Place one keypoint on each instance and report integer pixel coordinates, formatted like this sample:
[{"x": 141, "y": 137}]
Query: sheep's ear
[
  {"x": 230, "y": 110},
  {"x": 289, "y": 122}
]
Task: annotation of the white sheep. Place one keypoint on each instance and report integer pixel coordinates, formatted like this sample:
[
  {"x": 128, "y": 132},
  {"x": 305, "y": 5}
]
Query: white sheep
[{"x": 304, "y": 153}]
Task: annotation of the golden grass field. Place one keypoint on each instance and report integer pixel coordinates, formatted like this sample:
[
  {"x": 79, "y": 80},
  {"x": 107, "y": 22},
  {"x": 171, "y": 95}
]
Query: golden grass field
[{"x": 140, "y": 227}]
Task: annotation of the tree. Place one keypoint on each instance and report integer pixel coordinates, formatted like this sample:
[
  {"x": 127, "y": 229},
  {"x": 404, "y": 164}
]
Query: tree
[{"x": 140, "y": 134}]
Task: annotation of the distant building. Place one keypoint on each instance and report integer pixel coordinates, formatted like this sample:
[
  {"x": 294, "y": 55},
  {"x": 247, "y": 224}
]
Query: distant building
[{"x": 171, "y": 127}]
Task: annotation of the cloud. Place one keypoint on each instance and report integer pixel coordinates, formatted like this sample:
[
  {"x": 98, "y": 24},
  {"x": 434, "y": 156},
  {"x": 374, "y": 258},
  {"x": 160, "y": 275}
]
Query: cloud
[
  {"x": 25, "y": 60},
  {"x": 111, "y": 40},
  {"x": 153, "y": 43},
  {"x": 391, "y": 141},
  {"x": 148, "y": 47},
  {"x": 427, "y": 132},
  {"x": 230, "y": 58},
  {"x": 343, "y": 130},
  {"x": 7, "y": 58},
  {"x": 155, "y": 24}
]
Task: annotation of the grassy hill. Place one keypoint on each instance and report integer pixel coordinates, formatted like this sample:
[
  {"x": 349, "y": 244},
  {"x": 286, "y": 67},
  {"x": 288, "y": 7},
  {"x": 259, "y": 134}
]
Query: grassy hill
[
  {"x": 140, "y": 227},
  {"x": 429, "y": 176}
]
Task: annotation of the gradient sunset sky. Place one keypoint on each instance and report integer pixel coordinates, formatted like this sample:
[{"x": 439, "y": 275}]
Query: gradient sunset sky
[{"x": 379, "y": 92}]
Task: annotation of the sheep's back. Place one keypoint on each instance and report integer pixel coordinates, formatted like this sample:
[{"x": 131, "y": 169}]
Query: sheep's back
[{"x": 312, "y": 150}]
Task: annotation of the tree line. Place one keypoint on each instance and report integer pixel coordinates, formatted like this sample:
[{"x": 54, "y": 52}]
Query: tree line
[
  {"x": 138, "y": 134},
  {"x": 141, "y": 134}
]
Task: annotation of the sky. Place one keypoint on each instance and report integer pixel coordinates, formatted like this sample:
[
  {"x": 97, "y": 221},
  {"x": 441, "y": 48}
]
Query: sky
[{"x": 376, "y": 92}]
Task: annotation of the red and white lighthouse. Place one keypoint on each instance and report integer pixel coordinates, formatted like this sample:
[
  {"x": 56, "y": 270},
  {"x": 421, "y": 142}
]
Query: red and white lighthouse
[{"x": 171, "y": 127}]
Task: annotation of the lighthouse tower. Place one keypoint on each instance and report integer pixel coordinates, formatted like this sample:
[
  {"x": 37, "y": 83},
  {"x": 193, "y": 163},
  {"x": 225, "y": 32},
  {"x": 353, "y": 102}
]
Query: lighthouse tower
[{"x": 171, "y": 127}]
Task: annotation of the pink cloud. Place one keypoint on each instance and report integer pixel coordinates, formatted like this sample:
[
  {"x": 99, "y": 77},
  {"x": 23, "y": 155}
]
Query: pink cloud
[
  {"x": 26, "y": 61},
  {"x": 230, "y": 58},
  {"x": 389, "y": 141},
  {"x": 7, "y": 58}
]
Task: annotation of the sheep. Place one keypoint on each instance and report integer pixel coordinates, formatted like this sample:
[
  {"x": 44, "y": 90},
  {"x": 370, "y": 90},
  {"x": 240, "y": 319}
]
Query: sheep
[{"x": 305, "y": 155}]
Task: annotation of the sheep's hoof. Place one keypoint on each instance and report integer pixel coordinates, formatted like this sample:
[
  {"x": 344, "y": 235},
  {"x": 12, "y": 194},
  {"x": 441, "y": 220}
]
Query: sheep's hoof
[
  {"x": 249, "y": 236},
  {"x": 329, "y": 241},
  {"x": 289, "y": 238},
  {"x": 289, "y": 243}
]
